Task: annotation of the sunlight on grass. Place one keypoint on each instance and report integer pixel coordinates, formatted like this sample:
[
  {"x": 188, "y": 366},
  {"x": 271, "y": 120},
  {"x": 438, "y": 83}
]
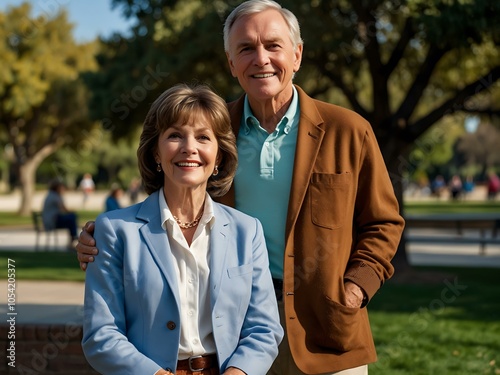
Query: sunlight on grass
[{"x": 450, "y": 327}]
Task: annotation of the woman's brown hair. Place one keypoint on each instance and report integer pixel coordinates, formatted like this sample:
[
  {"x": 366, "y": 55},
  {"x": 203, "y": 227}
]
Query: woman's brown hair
[{"x": 179, "y": 103}]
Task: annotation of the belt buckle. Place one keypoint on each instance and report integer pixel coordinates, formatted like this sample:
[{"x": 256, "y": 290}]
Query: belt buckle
[{"x": 190, "y": 359}]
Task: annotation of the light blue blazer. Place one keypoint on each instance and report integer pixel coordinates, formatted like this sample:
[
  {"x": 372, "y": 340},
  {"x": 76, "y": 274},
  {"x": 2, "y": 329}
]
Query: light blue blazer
[{"x": 131, "y": 310}]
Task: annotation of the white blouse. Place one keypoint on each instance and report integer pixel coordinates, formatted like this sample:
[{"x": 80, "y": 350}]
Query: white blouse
[{"x": 192, "y": 267}]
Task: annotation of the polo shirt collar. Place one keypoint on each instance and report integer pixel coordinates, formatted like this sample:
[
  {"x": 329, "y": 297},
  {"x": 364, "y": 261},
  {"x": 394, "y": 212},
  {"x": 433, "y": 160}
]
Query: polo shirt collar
[{"x": 286, "y": 122}]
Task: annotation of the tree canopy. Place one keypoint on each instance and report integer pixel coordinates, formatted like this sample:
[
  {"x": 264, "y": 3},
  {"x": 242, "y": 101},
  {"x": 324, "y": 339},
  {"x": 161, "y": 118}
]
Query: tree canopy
[
  {"x": 43, "y": 101},
  {"x": 403, "y": 65}
]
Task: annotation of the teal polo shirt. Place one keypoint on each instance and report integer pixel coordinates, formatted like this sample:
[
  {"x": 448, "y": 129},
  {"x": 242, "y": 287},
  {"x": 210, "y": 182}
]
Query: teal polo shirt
[{"x": 264, "y": 176}]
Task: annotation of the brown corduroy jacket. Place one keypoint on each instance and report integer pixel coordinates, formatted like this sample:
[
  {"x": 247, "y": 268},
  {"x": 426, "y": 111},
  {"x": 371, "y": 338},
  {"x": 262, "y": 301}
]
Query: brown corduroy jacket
[{"x": 343, "y": 223}]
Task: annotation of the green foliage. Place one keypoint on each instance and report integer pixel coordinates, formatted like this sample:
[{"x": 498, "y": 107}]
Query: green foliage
[
  {"x": 43, "y": 101},
  {"x": 457, "y": 22},
  {"x": 403, "y": 65},
  {"x": 40, "y": 59},
  {"x": 173, "y": 42},
  {"x": 435, "y": 149},
  {"x": 101, "y": 152}
]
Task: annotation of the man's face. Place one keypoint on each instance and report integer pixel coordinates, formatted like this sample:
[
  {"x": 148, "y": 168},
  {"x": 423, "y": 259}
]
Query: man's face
[{"x": 262, "y": 57}]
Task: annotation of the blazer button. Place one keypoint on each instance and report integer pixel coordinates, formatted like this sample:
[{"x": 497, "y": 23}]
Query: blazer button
[{"x": 171, "y": 325}]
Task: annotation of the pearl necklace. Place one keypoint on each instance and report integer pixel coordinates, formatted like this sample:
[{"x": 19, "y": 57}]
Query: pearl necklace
[{"x": 190, "y": 224}]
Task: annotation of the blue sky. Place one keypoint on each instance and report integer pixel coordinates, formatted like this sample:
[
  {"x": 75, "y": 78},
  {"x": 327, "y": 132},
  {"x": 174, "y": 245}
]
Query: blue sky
[{"x": 91, "y": 18}]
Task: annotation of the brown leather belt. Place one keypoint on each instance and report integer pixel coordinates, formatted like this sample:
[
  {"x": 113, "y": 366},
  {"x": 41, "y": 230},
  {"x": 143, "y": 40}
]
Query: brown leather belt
[{"x": 198, "y": 363}]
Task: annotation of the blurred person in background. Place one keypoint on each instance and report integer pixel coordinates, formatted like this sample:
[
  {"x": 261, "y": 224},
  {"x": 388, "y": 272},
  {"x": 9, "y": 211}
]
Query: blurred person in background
[
  {"x": 468, "y": 186},
  {"x": 133, "y": 190},
  {"x": 493, "y": 185},
  {"x": 455, "y": 187},
  {"x": 87, "y": 186},
  {"x": 112, "y": 201},
  {"x": 438, "y": 186},
  {"x": 55, "y": 214}
]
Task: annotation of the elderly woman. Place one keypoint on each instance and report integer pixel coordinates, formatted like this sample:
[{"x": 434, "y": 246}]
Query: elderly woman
[{"x": 182, "y": 284}]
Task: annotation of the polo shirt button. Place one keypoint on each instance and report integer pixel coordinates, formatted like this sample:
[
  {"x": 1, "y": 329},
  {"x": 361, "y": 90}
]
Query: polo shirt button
[{"x": 171, "y": 325}]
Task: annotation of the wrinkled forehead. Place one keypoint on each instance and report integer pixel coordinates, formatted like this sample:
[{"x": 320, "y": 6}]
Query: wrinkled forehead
[{"x": 268, "y": 25}]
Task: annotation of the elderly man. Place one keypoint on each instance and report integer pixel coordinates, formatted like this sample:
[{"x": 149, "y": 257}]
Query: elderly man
[{"x": 313, "y": 174}]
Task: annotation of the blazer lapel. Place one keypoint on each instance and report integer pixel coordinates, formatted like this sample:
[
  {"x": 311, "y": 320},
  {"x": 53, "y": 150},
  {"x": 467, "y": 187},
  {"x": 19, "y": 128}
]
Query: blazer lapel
[
  {"x": 218, "y": 251},
  {"x": 309, "y": 139},
  {"x": 157, "y": 241}
]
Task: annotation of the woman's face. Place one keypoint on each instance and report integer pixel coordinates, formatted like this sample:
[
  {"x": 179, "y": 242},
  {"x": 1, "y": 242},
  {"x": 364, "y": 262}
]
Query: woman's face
[{"x": 187, "y": 153}]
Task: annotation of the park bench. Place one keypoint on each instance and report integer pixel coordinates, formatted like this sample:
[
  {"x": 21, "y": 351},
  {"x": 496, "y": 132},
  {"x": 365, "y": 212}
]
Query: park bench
[
  {"x": 40, "y": 229},
  {"x": 486, "y": 226}
]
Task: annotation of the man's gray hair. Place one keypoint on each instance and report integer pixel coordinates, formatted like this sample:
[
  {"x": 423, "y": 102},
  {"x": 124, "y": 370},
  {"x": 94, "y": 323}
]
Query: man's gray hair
[{"x": 256, "y": 6}]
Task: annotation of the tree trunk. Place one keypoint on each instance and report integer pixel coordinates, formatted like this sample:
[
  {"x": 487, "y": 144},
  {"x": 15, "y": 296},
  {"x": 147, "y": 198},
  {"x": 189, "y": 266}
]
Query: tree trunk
[
  {"x": 27, "y": 175},
  {"x": 400, "y": 260},
  {"x": 27, "y": 172},
  {"x": 396, "y": 171}
]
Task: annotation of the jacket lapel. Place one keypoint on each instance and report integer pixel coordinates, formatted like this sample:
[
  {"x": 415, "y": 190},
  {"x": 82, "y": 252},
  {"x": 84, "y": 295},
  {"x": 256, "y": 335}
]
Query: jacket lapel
[
  {"x": 218, "y": 250},
  {"x": 157, "y": 242},
  {"x": 309, "y": 138}
]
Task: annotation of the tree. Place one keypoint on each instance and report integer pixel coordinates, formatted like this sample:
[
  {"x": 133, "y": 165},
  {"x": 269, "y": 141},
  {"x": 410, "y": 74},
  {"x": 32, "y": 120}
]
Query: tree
[
  {"x": 404, "y": 65},
  {"x": 43, "y": 100}
]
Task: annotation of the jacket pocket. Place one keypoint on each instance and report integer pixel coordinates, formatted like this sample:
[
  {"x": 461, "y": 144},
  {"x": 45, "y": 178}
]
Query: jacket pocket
[
  {"x": 239, "y": 287},
  {"x": 329, "y": 198},
  {"x": 239, "y": 271},
  {"x": 340, "y": 327}
]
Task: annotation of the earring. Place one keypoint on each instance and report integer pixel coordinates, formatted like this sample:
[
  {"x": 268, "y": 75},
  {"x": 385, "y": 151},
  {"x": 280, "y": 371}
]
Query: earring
[
  {"x": 216, "y": 171},
  {"x": 158, "y": 167}
]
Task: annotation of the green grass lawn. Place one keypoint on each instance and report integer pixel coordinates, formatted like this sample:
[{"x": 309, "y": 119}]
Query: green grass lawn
[
  {"x": 447, "y": 327},
  {"x": 430, "y": 207},
  {"x": 42, "y": 265}
]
